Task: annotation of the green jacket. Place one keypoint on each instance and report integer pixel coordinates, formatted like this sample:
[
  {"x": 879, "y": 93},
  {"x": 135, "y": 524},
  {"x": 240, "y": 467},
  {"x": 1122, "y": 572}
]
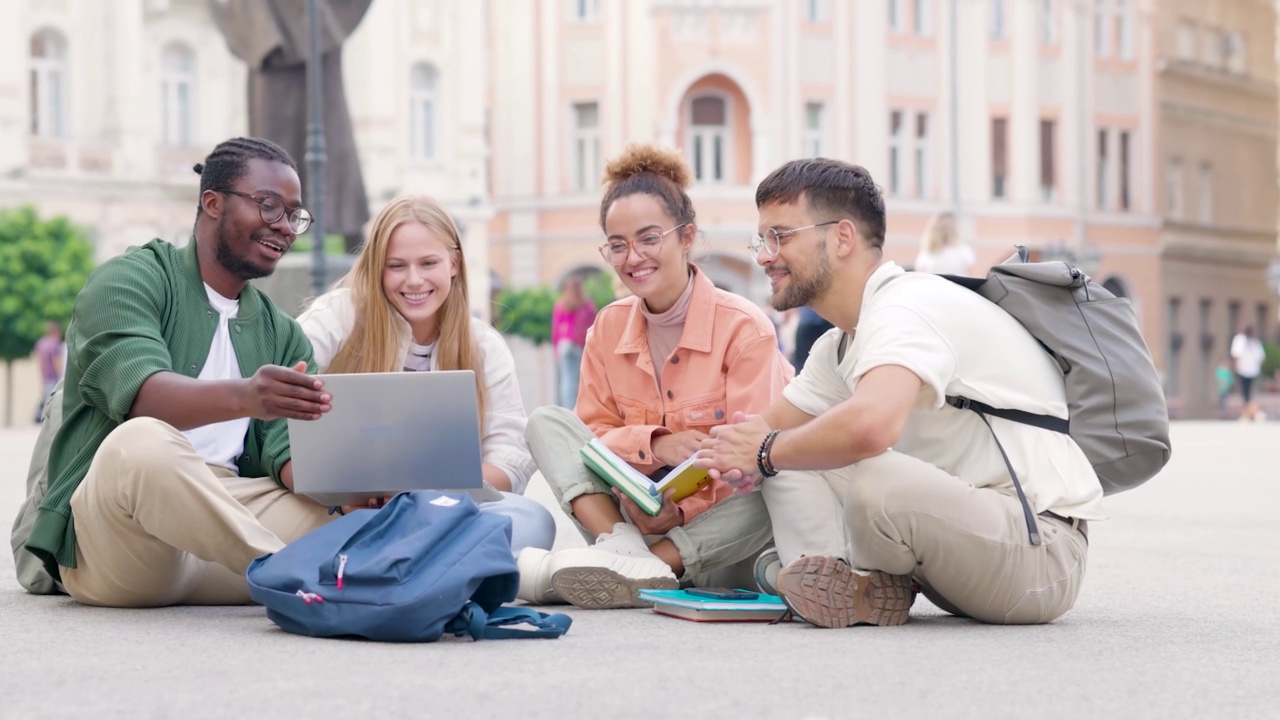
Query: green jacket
[{"x": 139, "y": 314}]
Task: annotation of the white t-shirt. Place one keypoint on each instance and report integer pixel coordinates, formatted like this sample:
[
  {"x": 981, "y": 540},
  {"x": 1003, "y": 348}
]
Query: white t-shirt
[
  {"x": 958, "y": 343},
  {"x": 220, "y": 443},
  {"x": 1249, "y": 354},
  {"x": 948, "y": 260},
  {"x": 419, "y": 358}
]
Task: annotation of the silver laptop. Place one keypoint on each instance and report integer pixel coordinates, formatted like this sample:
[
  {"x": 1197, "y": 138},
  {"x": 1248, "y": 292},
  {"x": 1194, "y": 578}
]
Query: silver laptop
[{"x": 388, "y": 433}]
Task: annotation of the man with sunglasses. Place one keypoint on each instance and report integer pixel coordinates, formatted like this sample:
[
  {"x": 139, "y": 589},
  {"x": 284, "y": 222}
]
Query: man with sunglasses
[{"x": 171, "y": 469}]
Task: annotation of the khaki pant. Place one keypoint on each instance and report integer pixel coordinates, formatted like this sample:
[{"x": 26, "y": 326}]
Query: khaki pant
[
  {"x": 157, "y": 526},
  {"x": 967, "y": 547},
  {"x": 717, "y": 548}
]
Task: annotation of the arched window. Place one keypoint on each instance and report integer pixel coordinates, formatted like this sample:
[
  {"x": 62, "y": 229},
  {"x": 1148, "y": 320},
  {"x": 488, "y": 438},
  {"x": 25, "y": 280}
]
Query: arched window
[
  {"x": 423, "y": 109},
  {"x": 48, "y": 84},
  {"x": 178, "y": 94},
  {"x": 709, "y": 138}
]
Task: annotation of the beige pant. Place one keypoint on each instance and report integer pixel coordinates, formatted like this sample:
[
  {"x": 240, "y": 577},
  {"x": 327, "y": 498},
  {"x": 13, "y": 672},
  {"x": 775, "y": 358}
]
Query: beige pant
[
  {"x": 157, "y": 526},
  {"x": 967, "y": 547}
]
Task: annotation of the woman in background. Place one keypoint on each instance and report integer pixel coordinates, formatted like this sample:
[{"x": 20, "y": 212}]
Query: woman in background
[
  {"x": 572, "y": 315},
  {"x": 941, "y": 251}
]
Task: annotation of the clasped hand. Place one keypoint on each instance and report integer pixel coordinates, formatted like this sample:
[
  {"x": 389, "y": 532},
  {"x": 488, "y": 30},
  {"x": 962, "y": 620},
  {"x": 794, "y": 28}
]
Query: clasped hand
[{"x": 729, "y": 453}]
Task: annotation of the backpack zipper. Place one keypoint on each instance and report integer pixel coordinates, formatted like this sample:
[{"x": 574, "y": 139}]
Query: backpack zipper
[{"x": 342, "y": 567}]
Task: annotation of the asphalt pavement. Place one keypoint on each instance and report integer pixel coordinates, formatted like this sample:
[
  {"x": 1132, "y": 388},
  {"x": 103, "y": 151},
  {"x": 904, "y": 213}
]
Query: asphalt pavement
[{"x": 1175, "y": 621}]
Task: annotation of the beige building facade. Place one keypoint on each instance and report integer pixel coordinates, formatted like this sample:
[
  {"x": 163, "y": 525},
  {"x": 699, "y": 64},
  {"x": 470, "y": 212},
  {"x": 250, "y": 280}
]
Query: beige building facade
[
  {"x": 1074, "y": 127},
  {"x": 1218, "y": 113}
]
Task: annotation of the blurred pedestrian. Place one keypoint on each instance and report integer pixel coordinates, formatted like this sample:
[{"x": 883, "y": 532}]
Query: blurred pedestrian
[
  {"x": 941, "y": 251},
  {"x": 573, "y": 314},
  {"x": 51, "y": 354},
  {"x": 810, "y": 327},
  {"x": 1225, "y": 381},
  {"x": 1247, "y": 351}
]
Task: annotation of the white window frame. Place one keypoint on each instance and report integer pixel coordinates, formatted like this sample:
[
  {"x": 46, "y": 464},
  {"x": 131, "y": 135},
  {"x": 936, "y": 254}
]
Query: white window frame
[
  {"x": 922, "y": 17},
  {"x": 897, "y": 8},
  {"x": 1205, "y": 190},
  {"x": 998, "y": 20},
  {"x": 1124, "y": 28},
  {"x": 921, "y": 153},
  {"x": 178, "y": 111},
  {"x": 424, "y": 112},
  {"x": 1187, "y": 33},
  {"x": 815, "y": 134},
  {"x": 1235, "y": 56},
  {"x": 1104, "y": 153},
  {"x": 1213, "y": 49},
  {"x": 701, "y": 141},
  {"x": 584, "y": 11},
  {"x": 1101, "y": 29},
  {"x": 50, "y": 84},
  {"x": 897, "y": 151},
  {"x": 1173, "y": 187},
  {"x": 815, "y": 11},
  {"x": 584, "y": 147},
  {"x": 1048, "y": 21}
]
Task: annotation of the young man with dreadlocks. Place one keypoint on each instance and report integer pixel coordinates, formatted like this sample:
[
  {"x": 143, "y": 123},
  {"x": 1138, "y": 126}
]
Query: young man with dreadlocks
[{"x": 171, "y": 469}]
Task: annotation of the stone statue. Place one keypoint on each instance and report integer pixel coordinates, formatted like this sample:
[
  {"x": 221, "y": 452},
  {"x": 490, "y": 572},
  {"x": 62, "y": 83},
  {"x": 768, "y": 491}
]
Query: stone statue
[{"x": 272, "y": 38}]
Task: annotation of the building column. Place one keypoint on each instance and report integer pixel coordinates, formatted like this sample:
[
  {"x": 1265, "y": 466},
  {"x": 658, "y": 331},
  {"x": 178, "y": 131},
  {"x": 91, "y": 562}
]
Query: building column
[
  {"x": 1024, "y": 121},
  {"x": 870, "y": 90},
  {"x": 127, "y": 123}
]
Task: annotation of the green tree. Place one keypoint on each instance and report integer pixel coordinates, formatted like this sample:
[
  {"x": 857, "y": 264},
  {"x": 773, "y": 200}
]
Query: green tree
[
  {"x": 599, "y": 287},
  {"x": 525, "y": 312},
  {"x": 43, "y": 265}
]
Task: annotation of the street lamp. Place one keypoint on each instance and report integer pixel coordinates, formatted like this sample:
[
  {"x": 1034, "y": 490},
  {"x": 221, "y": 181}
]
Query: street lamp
[{"x": 315, "y": 156}]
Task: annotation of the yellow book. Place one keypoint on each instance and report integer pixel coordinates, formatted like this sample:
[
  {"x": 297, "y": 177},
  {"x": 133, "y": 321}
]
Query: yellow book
[{"x": 685, "y": 479}]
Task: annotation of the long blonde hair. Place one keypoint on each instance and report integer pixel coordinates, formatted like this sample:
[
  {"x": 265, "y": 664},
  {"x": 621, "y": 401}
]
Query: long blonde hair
[
  {"x": 941, "y": 233},
  {"x": 376, "y": 341}
]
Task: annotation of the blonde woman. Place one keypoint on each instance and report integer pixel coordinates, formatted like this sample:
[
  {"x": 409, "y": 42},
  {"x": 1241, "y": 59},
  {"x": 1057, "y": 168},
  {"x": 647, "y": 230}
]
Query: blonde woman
[
  {"x": 941, "y": 251},
  {"x": 660, "y": 369},
  {"x": 404, "y": 306}
]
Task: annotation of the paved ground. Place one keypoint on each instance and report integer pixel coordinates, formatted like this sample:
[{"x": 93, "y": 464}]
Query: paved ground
[{"x": 1176, "y": 621}]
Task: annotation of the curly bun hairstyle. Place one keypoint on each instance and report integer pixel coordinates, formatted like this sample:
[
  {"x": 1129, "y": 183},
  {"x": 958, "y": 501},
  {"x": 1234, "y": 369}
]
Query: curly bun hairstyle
[{"x": 654, "y": 171}]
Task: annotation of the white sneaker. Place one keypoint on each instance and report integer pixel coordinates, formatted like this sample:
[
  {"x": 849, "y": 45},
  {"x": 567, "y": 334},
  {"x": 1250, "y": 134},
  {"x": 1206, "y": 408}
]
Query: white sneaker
[
  {"x": 535, "y": 568},
  {"x": 610, "y": 573}
]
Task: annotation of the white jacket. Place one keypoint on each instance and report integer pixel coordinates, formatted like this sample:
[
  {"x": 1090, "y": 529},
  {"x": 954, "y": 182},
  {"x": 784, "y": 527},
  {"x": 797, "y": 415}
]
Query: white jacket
[{"x": 329, "y": 321}]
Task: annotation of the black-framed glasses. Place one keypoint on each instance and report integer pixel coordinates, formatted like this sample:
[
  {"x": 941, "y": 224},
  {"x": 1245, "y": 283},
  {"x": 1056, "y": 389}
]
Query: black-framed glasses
[
  {"x": 615, "y": 250},
  {"x": 772, "y": 239},
  {"x": 272, "y": 208}
]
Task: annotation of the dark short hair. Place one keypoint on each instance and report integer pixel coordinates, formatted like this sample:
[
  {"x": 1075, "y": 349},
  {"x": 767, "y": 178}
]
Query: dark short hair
[
  {"x": 229, "y": 160},
  {"x": 833, "y": 189}
]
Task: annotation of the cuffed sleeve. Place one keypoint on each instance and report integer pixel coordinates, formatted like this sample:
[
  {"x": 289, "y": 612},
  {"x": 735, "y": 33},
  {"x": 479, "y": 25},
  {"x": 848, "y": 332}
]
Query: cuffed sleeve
[{"x": 503, "y": 445}]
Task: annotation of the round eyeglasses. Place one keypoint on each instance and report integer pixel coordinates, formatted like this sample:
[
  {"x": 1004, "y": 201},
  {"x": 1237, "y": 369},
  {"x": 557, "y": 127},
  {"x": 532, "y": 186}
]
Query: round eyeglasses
[
  {"x": 272, "y": 208},
  {"x": 615, "y": 250},
  {"x": 772, "y": 239}
]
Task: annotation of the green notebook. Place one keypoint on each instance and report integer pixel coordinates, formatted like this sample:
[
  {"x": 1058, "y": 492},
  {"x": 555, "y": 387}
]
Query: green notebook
[{"x": 684, "y": 478}]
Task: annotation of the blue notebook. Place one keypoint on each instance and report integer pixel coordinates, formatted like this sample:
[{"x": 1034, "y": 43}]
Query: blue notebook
[{"x": 679, "y": 603}]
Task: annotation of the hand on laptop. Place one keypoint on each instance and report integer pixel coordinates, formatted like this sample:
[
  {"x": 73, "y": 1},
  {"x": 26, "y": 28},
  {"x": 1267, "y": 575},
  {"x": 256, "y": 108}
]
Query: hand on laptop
[
  {"x": 280, "y": 392},
  {"x": 373, "y": 503}
]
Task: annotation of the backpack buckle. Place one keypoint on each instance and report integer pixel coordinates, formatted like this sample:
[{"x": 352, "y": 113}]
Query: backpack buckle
[{"x": 962, "y": 403}]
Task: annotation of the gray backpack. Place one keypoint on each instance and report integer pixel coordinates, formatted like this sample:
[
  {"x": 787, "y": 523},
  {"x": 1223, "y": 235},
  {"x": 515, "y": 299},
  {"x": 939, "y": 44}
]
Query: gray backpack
[{"x": 1116, "y": 406}]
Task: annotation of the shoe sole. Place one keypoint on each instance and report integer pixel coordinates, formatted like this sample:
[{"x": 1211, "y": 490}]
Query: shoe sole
[
  {"x": 828, "y": 593},
  {"x": 596, "y": 588}
]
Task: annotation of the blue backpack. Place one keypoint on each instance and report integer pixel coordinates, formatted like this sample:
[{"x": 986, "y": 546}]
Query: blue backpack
[{"x": 424, "y": 565}]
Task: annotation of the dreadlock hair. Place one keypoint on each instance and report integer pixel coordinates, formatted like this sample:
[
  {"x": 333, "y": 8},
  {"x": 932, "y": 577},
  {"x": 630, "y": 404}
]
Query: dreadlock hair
[{"x": 227, "y": 162}]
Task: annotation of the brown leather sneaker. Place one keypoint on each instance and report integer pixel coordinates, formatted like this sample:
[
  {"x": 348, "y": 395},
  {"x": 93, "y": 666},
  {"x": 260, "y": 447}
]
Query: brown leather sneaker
[{"x": 826, "y": 592}]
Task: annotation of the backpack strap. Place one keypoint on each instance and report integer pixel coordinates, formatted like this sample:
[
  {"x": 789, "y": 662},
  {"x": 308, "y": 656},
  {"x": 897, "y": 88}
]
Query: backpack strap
[
  {"x": 474, "y": 621},
  {"x": 1033, "y": 530}
]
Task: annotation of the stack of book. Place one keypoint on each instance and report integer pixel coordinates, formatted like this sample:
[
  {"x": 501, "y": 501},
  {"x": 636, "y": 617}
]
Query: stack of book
[
  {"x": 684, "y": 479},
  {"x": 679, "y": 603}
]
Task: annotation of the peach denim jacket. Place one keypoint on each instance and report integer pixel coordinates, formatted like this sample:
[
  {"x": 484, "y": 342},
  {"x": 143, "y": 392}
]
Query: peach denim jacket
[{"x": 727, "y": 361}]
